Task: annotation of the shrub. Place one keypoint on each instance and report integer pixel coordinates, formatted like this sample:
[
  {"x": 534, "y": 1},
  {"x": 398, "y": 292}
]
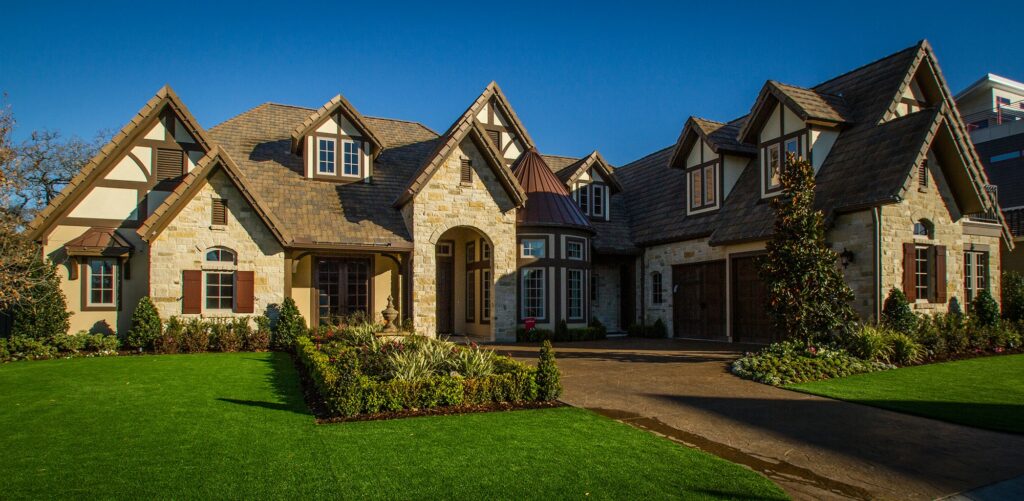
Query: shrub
[
  {"x": 146, "y": 326},
  {"x": 42, "y": 310},
  {"x": 984, "y": 309},
  {"x": 226, "y": 336},
  {"x": 195, "y": 337},
  {"x": 655, "y": 330},
  {"x": 5, "y": 353},
  {"x": 549, "y": 386},
  {"x": 1013, "y": 296},
  {"x": 473, "y": 362},
  {"x": 27, "y": 348},
  {"x": 792, "y": 362},
  {"x": 870, "y": 343},
  {"x": 600, "y": 331},
  {"x": 69, "y": 343},
  {"x": 896, "y": 313},
  {"x": 562, "y": 330},
  {"x": 290, "y": 325},
  {"x": 169, "y": 341},
  {"x": 904, "y": 349},
  {"x": 954, "y": 308},
  {"x": 931, "y": 334},
  {"x": 258, "y": 339},
  {"x": 411, "y": 365},
  {"x": 103, "y": 344}
]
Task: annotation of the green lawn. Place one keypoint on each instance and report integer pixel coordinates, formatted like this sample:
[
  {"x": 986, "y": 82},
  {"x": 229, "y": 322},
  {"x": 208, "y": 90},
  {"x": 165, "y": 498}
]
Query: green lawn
[
  {"x": 235, "y": 426},
  {"x": 984, "y": 392}
]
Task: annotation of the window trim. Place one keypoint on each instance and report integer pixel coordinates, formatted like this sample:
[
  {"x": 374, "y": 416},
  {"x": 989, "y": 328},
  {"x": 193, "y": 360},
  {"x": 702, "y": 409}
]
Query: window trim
[
  {"x": 596, "y": 188},
  {"x": 582, "y": 295},
  {"x": 701, "y": 169},
  {"x": 485, "y": 296},
  {"x": 543, "y": 292},
  {"x": 971, "y": 268},
  {"x": 657, "y": 288},
  {"x": 206, "y": 291},
  {"x": 471, "y": 252},
  {"x": 928, "y": 274},
  {"x": 357, "y": 144},
  {"x": 86, "y": 277},
  {"x": 485, "y": 250},
  {"x": 470, "y": 293},
  {"x": 543, "y": 248},
  {"x": 320, "y": 163},
  {"x": 779, "y": 144},
  {"x": 569, "y": 242}
]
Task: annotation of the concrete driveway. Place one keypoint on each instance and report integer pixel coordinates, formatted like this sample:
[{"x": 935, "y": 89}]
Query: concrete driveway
[{"x": 813, "y": 447}]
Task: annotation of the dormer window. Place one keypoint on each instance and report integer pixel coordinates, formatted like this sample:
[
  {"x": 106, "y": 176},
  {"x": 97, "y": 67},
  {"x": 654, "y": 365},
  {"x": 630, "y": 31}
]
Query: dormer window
[
  {"x": 350, "y": 160},
  {"x": 773, "y": 167},
  {"x": 592, "y": 199},
  {"x": 703, "y": 185},
  {"x": 327, "y": 151}
]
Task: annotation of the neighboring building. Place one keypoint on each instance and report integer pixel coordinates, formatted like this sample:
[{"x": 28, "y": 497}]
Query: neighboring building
[
  {"x": 472, "y": 231},
  {"x": 993, "y": 108}
]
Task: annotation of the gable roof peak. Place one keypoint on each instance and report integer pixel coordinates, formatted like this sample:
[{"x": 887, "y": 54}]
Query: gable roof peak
[{"x": 337, "y": 104}]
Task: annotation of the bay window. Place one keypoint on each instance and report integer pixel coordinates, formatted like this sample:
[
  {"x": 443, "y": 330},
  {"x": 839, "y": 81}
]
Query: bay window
[
  {"x": 574, "y": 294},
  {"x": 534, "y": 293}
]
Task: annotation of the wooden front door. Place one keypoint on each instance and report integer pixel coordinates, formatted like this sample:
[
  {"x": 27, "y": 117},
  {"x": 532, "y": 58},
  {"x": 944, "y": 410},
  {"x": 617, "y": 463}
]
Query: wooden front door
[
  {"x": 343, "y": 288},
  {"x": 750, "y": 322},
  {"x": 698, "y": 300},
  {"x": 445, "y": 295}
]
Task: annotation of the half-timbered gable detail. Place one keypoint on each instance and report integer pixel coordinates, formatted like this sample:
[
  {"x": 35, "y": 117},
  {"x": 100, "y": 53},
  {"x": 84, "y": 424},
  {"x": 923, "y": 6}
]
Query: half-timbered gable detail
[
  {"x": 712, "y": 159},
  {"x": 501, "y": 125},
  {"x": 336, "y": 143}
]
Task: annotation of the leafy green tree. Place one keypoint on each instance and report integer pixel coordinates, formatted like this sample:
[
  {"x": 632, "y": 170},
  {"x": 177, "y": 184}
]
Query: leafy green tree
[
  {"x": 290, "y": 325},
  {"x": 41, "y": 312},
  {"x": 1013, "y": 296},
  {"x": 896, "y": 313},
  {"x": 549, "y": 385},
  {"x": 146, "y": 325},
  {"x": 807, "y": 295},
  {"x": 985, "y": 309}
]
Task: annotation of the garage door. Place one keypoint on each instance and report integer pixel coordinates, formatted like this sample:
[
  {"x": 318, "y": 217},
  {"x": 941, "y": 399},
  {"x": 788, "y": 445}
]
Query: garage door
[
  {"x": 750, "y": 322},
  {"x": 698, "y": 300}
]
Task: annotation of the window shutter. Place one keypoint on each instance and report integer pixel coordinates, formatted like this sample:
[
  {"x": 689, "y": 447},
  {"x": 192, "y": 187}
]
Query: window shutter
[
  {"x": 219, "y": 214},
  {"x": 245, "y": 297},
  {"x": 922, "y": 174},
  {"x": 909, "y": 284},
  {"x": 467, "y": 171},
  {"x": 495, "y": 138},
  {"x": 940, "y": 273},
  {"x": 170, "y": 164},
  {"x": 192, "y": 292}
]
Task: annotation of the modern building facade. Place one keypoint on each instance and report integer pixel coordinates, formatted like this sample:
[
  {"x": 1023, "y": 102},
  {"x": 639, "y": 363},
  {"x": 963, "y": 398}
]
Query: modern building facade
[{"x": 473, "y": 231}]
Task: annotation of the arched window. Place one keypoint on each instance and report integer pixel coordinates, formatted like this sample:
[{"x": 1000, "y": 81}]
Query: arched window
[
  {"x": 924, "y": 228},
  {"x": 220, "y": 255}
]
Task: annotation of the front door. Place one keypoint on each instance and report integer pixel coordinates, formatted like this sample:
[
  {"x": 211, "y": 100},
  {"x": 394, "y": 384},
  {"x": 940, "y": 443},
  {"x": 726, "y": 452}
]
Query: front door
[
  {"x": 445, "y": 293},
  {"x": 698, "y": 300},
  {"x": 343, "y": 286},
  {"x": 750, "y": 322}
]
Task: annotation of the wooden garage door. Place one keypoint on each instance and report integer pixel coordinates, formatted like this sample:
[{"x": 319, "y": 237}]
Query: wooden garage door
[
  {"x": 750, "y": 323},
  {"x": 698, "y": 300}
]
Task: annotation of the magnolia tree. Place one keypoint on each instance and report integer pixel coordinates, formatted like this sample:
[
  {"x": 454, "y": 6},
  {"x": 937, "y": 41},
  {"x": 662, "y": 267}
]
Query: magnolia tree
[{"x": 807, "y": 295}]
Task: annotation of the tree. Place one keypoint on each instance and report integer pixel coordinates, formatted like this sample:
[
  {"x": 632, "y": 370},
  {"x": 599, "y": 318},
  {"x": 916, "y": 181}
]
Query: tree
[
  {"x": 896, "y": 313},
  {"x": 1013, "y": 296},
  {"x": 549, "y": 385},
  {"x": 807, "y": 295},
  {"x": 985, "y": 309},
  {"x": 146, "y": 325},
  {"x": 42, "y": 311},
  {"x": 289, "y": 326}
]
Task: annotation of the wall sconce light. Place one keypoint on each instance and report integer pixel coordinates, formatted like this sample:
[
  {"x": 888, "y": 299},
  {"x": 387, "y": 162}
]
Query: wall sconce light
[{"x": 846, "y": 257}]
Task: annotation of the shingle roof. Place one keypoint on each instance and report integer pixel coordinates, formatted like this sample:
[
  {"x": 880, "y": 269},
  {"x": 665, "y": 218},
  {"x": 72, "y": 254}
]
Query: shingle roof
[
  {"x": 722, "y": 137},
  {"x": 318, "y": 212},
  {"x": 337, "y": 104},
  {"x": 548, "y": 202}
]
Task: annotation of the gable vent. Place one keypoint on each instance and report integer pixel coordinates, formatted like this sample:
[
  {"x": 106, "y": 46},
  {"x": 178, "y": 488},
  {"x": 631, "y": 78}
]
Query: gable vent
[
  {"x": 466, "y": 176},
  {"x": 922, "y": 174},
  {"x": 170, "y": 164},
  {"x": 495, "y": 138},
  {"x": 219, "y": 215}
]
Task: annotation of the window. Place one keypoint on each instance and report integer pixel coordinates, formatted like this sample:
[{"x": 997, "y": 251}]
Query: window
[
  {"x": 703, "y": 186},
  {"x": 574, "y": 250},
  {"x": 584, "y": 197},
  {"x": 350, "y": 160},
  {"x": 466, "y": 174},
  {"x": 533, "y": 247},
  {"x": 343, "y": 288},
  {"x": 574, "y": 294},
  {"x": 219, "y": 212},
  {"x": 444, "y": 249},
  {"x": 696, "y": 193},
  {"x": 922, "y": 174},
  {"x": 922, "y": 271},
  {"x": 470, "y": 295},
  {"x": 470, "y": 252},
  {"x": 485, "y": 251},
  {"x": 1002, "y": 101},
  {"x": 485, "y": 295},
  {"x": 170, "y": 164},
  {"x": 594, "y": 288},
  {"x": 534, "y": 293},
  {"x": 101, "y": 282},
  {"x": 773, "y": 175},
  {"x": 598, "y": 200},
  {"x": 709, "y": 184},
  {"x": 792, "y": 148},
  {"x": 327, "y": 153},
  {"x": 975, "y": 273},
  {"x": 220, "y": 290},
  {"x": 220, "y": 255},
  {"x": 923, "y": 228},
  {"x": 657, "y": 297}
]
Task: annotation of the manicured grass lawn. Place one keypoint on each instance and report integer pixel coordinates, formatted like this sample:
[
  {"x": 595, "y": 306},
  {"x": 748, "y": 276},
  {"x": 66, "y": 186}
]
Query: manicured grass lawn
[
  {"x": 235, "y": 426},
  {"x": 984, "y": 392}
]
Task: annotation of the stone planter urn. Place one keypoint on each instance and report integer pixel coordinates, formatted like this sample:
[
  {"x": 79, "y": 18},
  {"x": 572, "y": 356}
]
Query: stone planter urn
[{"x": 390, "y": 314}]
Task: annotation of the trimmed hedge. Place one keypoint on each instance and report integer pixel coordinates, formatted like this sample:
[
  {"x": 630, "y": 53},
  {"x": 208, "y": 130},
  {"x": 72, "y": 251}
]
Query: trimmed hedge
[
  {"x": 81, "y": 344},
  {"x": 347, "y": 391}
]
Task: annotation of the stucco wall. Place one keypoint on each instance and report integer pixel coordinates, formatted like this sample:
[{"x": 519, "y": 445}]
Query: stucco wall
[{"x": 183, "y": 244}]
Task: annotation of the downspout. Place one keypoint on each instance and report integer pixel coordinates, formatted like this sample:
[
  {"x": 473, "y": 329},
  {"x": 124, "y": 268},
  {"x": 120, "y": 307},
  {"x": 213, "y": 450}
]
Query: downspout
[
  {"x": 877, "y": 217},
  {"x": 643, "y": 289}
]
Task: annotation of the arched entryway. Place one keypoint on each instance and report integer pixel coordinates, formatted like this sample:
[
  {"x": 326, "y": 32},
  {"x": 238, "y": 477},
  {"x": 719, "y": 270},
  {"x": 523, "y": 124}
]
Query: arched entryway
[{"x": 465, "y": 283}]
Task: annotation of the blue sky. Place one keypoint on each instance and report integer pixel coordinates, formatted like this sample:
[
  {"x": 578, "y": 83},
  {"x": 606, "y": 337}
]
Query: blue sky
[{"x": 619, "y": 77}]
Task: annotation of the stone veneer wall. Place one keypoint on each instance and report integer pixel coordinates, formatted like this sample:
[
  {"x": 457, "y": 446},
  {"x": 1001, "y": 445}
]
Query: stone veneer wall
[
  {"x": 855, "y": 232},
  {"x": 444, "y": 203},
  {"x": 183, "y": 244},
  {"x": 607, "y": 309},
  {"x": 936, "y": 204}
]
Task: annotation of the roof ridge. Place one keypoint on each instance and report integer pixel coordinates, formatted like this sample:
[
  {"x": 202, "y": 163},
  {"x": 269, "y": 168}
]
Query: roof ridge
[
  {"x": 631, "y": 165},
  {"x": 413, "y": 122},
  {"x": 809, "y": 89},
  {"x": 562, "y": 156},
  {"x": 916, "y": 46}
]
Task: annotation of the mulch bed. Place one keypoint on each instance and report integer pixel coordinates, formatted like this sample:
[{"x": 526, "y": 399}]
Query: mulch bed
[{"x": 317, "y": 406}]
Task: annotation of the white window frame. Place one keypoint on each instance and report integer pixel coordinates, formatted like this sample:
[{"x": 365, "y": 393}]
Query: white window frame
[
  {"x": 543, "y": 302},
  {"x": 113, "y": 282},
  {"x": 767, "y": 172},
  {"x": 574, "y": 275},
  {"x": 220, "y": 297},
  {"x": 485, "y": 251},
  {"x": 975, "y": 273},
  {"x": 597, "y": 193},
  {"x": 485, "y": 296},
  {"x": 321, "y": 162},
  {"x": 583, "y": 200},
  {"x": 526, "y": 249},
  {"x": 357, "y": 151},
  {"x": 569, "y": 244}
]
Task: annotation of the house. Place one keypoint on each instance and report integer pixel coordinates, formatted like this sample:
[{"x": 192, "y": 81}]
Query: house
[
  {"x": 993, "y": 109},
  {"x": 473, "y": 231}
]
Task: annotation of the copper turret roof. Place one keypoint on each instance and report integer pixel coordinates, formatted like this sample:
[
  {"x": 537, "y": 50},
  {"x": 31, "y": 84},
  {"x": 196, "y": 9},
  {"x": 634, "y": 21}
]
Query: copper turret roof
[{"x": 548, "y": 202}]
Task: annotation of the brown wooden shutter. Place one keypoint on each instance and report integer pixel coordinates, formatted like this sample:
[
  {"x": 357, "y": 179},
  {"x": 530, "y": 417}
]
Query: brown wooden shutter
[
  {"x": 922, "y": 174},
  {"x": 245, "y": 297},
  {"x": 170, "y": 164},
  {"x": 909, "y": 284},
  {"x": 219, "y": 214},
  {"x": 467, "y": 171},
  {"x": 940, "y": 273},
  {"x": 192, "y": 292}
]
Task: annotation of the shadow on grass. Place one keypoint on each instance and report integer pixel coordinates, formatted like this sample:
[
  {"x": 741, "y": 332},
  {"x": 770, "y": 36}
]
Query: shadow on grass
[{"x": 284, "y": 383}]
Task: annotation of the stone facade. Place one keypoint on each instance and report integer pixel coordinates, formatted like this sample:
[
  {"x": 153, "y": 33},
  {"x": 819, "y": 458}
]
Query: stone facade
[
  {"x": 855, "y": 232},
  {"x": 183, "y": 245},
  {"x": 607, "y": 309},
  {"x": 484, "y": 206}
]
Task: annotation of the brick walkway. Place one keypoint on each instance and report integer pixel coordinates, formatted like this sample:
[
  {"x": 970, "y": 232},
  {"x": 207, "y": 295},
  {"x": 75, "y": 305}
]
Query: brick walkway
[{"x": 813, "y": 447}]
